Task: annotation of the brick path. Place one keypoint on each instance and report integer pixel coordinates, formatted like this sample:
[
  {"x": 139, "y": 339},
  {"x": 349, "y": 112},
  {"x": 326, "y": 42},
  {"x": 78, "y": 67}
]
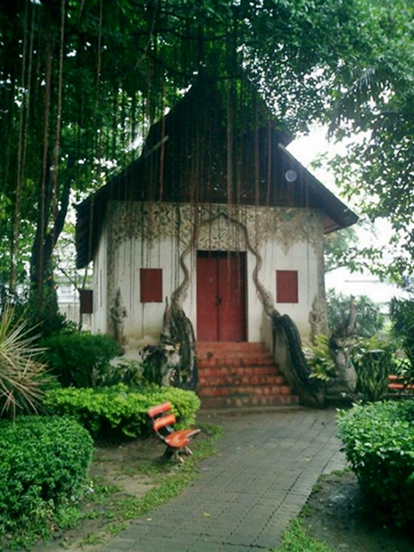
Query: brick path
[{"x": 261, "y": 477}]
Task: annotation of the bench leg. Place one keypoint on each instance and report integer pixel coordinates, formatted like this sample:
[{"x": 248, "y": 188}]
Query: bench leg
[
  {"x": 173, "y": 454},
  {"x": 187, "y": 451},
  {"x": 176, "y": 456}
]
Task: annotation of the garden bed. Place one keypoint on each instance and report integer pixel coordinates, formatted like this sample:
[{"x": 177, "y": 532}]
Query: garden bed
[{"x": 335, "y": 514}]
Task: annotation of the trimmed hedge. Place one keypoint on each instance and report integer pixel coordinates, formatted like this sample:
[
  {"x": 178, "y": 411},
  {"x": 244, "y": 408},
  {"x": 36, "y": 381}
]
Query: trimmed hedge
[
  {"x": 379, "y": 444},
  {"x": 44, "y": 464},
  {"x": 120, "y": 408}
]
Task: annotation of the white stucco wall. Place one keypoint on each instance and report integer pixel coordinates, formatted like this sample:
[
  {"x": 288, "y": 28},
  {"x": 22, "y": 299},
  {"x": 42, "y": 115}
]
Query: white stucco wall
[
  {"x": 143, "y": 323},
  {"x": 100, "y": 285},
  {"x": 285, "y": 239}
]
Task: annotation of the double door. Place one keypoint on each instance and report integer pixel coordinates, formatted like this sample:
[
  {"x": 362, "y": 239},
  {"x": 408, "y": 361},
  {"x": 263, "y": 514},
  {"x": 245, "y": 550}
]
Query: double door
[{"x": 221, "y": 305}]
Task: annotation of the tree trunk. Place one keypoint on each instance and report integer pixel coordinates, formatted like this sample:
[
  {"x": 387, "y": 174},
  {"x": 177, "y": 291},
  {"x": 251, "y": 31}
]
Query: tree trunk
[{"x": 49, "y": 228}]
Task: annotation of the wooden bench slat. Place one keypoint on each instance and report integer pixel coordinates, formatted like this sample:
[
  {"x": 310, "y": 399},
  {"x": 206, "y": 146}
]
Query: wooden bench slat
[
  {"x": 159, "y": 409},
  {"x": 162, "y": 421}
]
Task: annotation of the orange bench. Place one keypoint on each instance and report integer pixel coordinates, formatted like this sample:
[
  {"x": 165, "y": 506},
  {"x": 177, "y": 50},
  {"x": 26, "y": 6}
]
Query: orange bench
[
  {"x": 399, "y": 383},
  {"x": 161, "y": 420}
]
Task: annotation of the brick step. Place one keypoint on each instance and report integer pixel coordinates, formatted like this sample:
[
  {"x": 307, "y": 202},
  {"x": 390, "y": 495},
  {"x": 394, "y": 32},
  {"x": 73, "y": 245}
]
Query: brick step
[
  {"x": 237, "y": 371},
  {"x": 237, "y": 360},
  {"x": 234, "y": 375},
  {"x": 230, "y": 345},
  {"x": 234, "y": 381},
  {"x": 244, "y": 390},
  {"x": 232, "y": 350},
  {"x": 209, "y": 403}
]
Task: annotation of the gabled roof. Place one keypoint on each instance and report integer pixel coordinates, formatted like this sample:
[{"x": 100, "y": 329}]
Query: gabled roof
[{"x": 199, "y": 153}]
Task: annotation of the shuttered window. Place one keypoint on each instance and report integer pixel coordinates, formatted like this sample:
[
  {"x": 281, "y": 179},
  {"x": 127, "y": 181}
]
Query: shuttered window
[
  {"x": 86, "y": 301},
  {"x": 287, "y": 286},
  {"x": 151, "y": 285}
]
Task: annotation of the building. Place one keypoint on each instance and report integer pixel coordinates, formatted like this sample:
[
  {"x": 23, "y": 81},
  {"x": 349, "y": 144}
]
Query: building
[{"x": 216, "y": 219}]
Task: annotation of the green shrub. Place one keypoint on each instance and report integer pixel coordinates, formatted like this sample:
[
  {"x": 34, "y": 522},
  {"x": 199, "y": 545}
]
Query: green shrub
[
  {"x": 379, "y": 444},
  {"x": 120, "y": 408},
  {"x": 45, "y": 317},
  {"x": 373, "y": 361},
  {"x": 79, "y": 359},
  {"x": 129, "y": 372},
  {"x": 43, "y": 469}
]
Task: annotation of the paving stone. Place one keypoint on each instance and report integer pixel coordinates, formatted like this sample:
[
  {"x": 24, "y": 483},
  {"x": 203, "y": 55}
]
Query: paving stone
[{"x": 247, "y": 494}]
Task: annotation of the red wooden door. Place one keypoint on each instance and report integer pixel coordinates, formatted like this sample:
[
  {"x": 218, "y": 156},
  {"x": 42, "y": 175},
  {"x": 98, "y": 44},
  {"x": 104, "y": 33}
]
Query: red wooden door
[{"x": 221, "y": 296}]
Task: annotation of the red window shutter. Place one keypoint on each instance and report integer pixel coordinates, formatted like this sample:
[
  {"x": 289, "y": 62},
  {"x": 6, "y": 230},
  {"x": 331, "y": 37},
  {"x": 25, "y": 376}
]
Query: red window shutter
[
  {"x": 287, "y": 286},
  {"x": 151, "y": 285}
]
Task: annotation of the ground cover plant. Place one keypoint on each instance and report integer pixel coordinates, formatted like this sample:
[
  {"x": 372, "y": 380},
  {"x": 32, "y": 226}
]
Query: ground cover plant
[
  {"x": 297, "y": 539},
  {"x": 379, "y": 445},
  {"x": 44, "y": 463},
  {"x": 120, "y": 409},
  {"x": 129, "y": 478}
]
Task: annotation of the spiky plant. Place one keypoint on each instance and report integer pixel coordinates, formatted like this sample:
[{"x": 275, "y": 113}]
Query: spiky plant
[{"x": 22, "y": 375}]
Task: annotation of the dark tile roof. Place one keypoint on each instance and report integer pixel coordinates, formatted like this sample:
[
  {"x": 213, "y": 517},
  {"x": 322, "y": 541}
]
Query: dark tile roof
[{"x": 198, "y": 154}]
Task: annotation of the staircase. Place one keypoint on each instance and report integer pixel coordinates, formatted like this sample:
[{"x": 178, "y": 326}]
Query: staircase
[{"x": 240, "y": 375}]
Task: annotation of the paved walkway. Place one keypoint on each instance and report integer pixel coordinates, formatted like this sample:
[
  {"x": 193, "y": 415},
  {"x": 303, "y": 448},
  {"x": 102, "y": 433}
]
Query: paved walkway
[{"x": 262, "y": 476}]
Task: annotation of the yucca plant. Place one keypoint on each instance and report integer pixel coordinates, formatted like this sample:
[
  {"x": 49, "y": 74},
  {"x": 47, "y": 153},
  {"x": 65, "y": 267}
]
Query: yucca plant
[{"x": 22, "y": 376}]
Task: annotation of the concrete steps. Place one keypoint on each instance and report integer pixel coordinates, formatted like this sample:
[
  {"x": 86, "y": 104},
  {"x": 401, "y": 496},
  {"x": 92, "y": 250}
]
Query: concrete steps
[{"x": 240, "y": 375}]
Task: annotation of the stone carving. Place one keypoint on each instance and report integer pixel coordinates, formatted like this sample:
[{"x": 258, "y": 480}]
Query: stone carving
[
  {"x": 340, "y": 342},
  {"x": 150, "y": 222},
  {"x": 163, "y": 363},
  {"x": 317, "y": 318},
  {"x": 178, "y": 342},
  {"x": 118, "y": 313}
]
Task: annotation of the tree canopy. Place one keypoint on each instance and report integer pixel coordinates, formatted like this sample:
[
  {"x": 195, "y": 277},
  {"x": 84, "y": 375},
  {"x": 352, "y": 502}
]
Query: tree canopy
[
  {"x": 80, "y": 83},
  {"x": 377, "y": 172}
]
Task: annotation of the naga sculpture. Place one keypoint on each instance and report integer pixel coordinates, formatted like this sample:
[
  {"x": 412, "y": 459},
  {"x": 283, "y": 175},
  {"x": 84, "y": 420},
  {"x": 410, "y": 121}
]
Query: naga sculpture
[
  {"x": 178, "y": 336},
  {"x": 344, "y": 384}
]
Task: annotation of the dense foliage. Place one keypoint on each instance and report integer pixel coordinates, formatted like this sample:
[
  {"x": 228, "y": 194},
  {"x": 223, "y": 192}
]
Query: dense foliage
[
  {"x": 82, "y": 81},
  {"x": 379, "y": 444},
  {"x": 377, "y": 172},
  {"x": 373, "y": 358},
  {"x": 44, "y": 464},
  {"x": 337, "y": 247},
  {"x": 120, "y": 409},
  {"x": 79, "y": 360},
  {"x": 369, "y": 319},
  {"x": 402, "y": 317}
]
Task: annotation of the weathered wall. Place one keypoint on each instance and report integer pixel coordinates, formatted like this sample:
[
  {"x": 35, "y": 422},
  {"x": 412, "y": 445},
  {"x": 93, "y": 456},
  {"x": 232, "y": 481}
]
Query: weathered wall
[
  {"x": 100, "y": 285},
  {"x": 162, "y": 236}
]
